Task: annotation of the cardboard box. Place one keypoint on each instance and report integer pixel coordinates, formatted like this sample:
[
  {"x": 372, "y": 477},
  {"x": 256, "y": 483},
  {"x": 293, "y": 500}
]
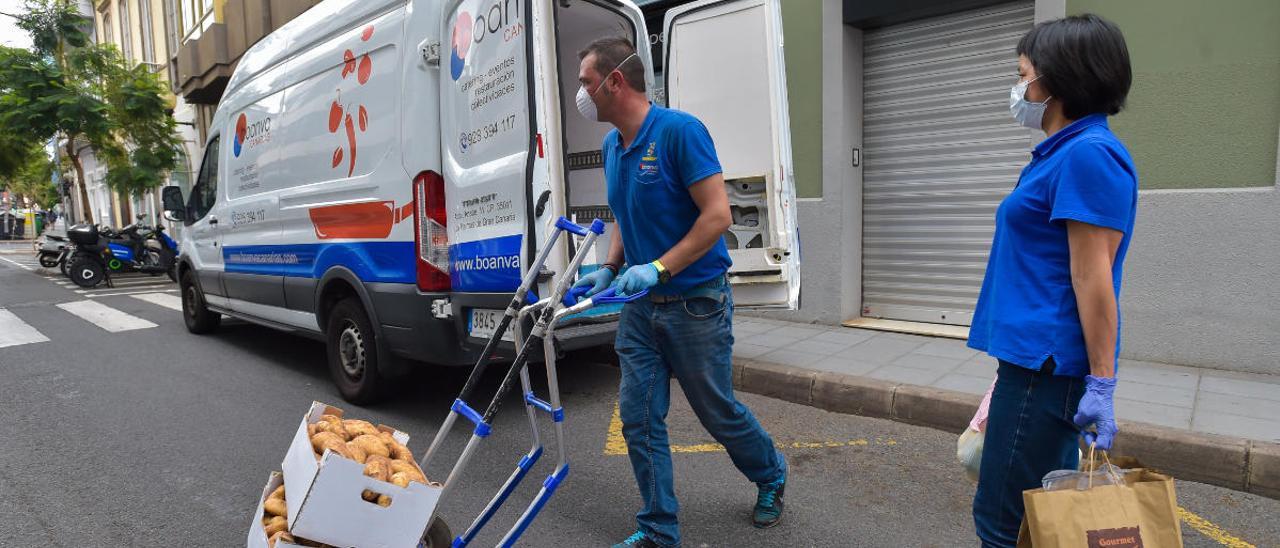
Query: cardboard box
[
  {"x": 257, "y": 535},
  {"x": 324, "y": 500}
]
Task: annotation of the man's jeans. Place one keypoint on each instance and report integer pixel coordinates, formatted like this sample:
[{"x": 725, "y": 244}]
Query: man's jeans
[
  {"x": 1029, "y": 434},
  {"x": 691, "y": 340}
]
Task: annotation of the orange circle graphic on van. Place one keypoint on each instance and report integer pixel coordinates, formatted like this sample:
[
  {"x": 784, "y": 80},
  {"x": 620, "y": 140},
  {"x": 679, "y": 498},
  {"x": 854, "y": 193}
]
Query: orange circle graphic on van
[
  {"x": 462, "y": 35},
  {"x": 242, "y": 129}
]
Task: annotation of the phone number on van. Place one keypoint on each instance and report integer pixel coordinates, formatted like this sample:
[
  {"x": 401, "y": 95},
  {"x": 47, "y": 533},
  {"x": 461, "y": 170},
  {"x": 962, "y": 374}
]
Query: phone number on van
[{"x": 487, "y": 131}]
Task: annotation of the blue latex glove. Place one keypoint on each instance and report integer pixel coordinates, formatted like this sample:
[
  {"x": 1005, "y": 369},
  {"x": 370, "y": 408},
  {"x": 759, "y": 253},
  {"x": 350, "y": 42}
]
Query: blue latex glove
[
  {"x": 637, "y": 279},
  {"x": 1097, "y": 407},
  {"x": 598, "y": 281}
]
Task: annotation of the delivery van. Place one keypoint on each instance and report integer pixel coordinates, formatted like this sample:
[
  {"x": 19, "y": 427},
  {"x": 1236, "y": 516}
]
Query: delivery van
[{"x": 379, "y": 172}]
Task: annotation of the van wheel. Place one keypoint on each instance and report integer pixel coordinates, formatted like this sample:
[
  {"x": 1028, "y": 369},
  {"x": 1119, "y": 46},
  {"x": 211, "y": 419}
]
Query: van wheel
[
  {"x": 195, "y": 313},
  {"x": 352, "y": 347}
]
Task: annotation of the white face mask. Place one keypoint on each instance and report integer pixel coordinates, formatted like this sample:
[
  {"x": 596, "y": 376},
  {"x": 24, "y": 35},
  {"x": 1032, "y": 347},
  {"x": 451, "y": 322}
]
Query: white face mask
[
  {"x": 587, "y": 104},
  {"x": 1025, "y": 112}
]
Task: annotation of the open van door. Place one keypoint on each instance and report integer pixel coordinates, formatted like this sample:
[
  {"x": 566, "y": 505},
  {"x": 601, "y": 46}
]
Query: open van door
[
  {"x": 723, "y": 63},
  {"x": 487, "y": 130}
]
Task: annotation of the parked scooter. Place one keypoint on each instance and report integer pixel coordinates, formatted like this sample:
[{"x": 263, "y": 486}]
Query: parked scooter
[
  {"x": 137, "y": 247},
  {"x": 143, "y": 248},
  {"x": 52, "y": 250}
]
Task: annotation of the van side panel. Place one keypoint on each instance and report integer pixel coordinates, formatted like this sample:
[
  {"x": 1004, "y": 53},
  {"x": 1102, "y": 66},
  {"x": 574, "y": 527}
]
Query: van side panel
[
  {"x": 250, "y": 215},
  {"x": 337, "y": 200},
  {"x": 305, "y": 32}
]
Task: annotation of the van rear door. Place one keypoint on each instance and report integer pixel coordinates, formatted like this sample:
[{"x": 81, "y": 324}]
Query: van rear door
[
  {"x": 723, "y": 63},
  {"x": 489, "y": 141}
]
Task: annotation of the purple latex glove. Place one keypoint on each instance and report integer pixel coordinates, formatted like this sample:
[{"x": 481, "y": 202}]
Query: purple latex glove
[
  {"x": 637, "y": 279},
  {"x": 1097, "y": 408}
]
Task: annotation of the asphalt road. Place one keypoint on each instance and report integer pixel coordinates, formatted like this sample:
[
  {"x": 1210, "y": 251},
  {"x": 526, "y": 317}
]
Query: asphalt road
[{"x": 156, "y": 437}]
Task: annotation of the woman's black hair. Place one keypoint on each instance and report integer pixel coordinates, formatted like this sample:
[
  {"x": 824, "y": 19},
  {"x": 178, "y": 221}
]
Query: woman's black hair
[{"x": 1082, "y": 60}]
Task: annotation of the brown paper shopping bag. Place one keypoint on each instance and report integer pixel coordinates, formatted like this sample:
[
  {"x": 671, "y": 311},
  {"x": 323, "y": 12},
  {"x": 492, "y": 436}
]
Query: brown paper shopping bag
[{"x": 1140, "y": 513}]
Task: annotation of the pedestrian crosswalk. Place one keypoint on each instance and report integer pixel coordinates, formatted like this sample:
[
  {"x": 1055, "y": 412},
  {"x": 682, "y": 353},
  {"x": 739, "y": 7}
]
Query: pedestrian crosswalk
[
  {"x": 85, "y": 304},
  {"x": 126, "y": 283},
  {"x": 122, "y": 284},
  {"x": 105, "y": 317},
  {"x": 14, "y": 331},
  {"x": 172, "y": 302}
]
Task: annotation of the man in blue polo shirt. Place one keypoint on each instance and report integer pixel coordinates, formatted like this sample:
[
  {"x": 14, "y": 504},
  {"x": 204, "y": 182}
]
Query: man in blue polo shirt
[{"x": 666, "y": 190}]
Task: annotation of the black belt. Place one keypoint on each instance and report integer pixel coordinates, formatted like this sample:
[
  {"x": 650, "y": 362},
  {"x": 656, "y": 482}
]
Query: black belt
[{"x": 699, "y": 290}]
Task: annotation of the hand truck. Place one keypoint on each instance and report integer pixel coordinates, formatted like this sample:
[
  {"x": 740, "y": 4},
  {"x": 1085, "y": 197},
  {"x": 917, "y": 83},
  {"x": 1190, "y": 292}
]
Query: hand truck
[{"x": 550, "y": 310}]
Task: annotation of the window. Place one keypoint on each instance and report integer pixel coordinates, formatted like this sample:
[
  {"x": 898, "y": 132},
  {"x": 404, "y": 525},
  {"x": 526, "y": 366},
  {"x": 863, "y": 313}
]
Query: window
[
  {"x": 107, "y": 31},
  {"x": 205, "y": 193},
  {"x": 181, "y": 175},
  {"x": 171, "y": 30},
  {"x": 196, "y": 15},
  {"x": 188, "y": 13},
  {"x": 148, "y": 39},
  {"x": 126, "y": 33}
]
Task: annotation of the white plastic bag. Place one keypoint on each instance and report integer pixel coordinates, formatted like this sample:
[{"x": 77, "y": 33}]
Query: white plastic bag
[
  {"x": 969, "y": 451},
  {"x": 969, "y": 446}
]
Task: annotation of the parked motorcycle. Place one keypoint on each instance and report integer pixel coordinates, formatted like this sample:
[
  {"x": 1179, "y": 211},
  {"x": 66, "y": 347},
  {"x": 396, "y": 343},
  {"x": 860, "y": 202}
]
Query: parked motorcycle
[
  {"x": 137, "y": 247},
  {"x": 52, "y": 250}
]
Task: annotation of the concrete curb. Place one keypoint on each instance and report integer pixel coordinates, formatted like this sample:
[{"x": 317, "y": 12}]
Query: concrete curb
[{"x": 1235, "y": 463}]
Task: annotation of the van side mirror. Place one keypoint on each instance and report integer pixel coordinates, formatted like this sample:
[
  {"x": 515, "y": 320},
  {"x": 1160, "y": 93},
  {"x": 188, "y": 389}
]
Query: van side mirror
[{"x": 174, "y": 207}]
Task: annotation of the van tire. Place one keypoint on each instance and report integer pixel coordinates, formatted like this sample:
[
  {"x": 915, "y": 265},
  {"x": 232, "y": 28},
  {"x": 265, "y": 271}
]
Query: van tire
[
  {"x": 352, "y": 348},
  {"x": 195, "y": 312}
]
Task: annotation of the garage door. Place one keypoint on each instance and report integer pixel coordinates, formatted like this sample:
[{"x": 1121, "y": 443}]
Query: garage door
[{"x": 941, "y": 151}]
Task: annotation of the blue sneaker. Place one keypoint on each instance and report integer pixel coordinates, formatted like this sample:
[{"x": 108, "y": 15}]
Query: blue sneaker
[
  {"x": 768, "y": 511},
  {"x": 637, "y": 540}
]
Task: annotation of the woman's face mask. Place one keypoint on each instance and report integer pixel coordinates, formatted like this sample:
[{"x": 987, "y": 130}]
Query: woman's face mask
[
  {"x": 586, "y": 101},
  {"x": 1025, "y": 112}
]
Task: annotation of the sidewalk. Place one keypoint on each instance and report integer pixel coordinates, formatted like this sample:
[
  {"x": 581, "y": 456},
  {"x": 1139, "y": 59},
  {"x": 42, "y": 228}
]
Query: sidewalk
[
  {"x": 16, "y": 246},
  {"x": 1190, "y": 416}
]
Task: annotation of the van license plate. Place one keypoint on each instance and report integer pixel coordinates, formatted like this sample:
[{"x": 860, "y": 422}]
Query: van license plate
[{"x": 484, "y": 322}]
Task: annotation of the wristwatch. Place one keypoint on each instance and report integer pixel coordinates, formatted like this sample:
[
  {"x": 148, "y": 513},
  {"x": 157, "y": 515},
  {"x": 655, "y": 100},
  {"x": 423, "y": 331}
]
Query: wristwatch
[
  {"x": 612, "y": 268},
  {"x": 664, "y": 275}
]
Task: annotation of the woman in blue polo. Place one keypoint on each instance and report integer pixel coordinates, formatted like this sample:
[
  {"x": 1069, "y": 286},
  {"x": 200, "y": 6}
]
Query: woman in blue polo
[{"x": 1048, "y": 308}]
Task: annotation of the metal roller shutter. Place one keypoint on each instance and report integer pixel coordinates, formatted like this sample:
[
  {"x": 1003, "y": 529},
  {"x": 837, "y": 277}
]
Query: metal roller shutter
[{"x": 940, "y": 153}]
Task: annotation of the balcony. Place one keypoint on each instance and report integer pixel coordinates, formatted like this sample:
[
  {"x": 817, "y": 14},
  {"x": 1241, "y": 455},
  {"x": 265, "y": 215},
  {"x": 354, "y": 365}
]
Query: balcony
[{"x": 204, "y": 64}]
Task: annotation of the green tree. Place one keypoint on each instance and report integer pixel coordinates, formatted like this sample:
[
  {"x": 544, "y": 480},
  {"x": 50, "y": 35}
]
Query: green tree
[
  {"x": 83, "y": 93},
  {"x": 33, "y": 179}
]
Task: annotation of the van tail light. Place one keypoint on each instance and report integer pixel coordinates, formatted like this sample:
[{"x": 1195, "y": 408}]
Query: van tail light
[{"x": 430, "y": 232}]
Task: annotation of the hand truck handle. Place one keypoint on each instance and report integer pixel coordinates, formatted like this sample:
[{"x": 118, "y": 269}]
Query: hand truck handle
[
  {"x": 610, "y": 295},
  {"x": 566, "y": 225}
]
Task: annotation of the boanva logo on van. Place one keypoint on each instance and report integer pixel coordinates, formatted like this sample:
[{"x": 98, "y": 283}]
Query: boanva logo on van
[
  {"x": 250, "y": 134},
  {"x": 502, "y": 16}
]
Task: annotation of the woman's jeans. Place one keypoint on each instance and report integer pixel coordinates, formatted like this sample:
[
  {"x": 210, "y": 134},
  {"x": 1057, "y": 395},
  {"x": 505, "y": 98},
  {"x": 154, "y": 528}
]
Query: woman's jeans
[
  {"x": 1029, "y": 434},
  {"x": 691, "y": 340}
]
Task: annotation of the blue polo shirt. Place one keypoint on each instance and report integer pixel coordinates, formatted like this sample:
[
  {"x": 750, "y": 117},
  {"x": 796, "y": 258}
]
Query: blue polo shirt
[
  {"x": 648, "y": 184},
  {"x": 1027, "y": 308}
]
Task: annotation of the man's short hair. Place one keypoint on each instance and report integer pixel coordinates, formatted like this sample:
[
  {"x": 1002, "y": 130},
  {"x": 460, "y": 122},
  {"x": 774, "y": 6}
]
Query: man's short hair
[
  {"x": 1082, "y": 61},
  {"x": 612, "y": 51}
]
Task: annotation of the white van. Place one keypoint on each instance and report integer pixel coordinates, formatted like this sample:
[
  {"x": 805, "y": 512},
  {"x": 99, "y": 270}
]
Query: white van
[{"x": 379, "y": 172}]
